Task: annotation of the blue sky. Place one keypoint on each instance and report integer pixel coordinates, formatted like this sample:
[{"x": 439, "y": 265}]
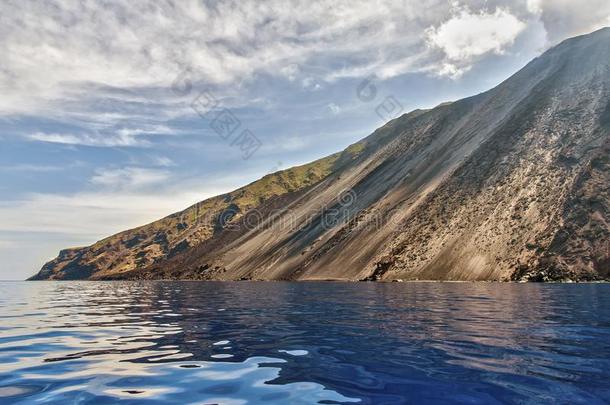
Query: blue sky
[{"x": 97, "y": 129}]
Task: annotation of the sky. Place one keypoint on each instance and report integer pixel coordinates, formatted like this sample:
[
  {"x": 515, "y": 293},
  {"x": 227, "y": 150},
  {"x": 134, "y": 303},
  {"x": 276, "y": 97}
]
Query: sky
[{"x": 117, "y": 113}]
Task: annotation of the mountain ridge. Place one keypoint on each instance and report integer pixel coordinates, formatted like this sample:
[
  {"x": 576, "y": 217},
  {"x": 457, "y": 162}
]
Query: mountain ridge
[{"x": 509, "y": 184}]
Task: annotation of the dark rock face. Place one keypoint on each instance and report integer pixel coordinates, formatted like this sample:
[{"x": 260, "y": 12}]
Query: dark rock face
[
  {"x": 69, "y": 264},
  {"x": 511, "y": 184}
]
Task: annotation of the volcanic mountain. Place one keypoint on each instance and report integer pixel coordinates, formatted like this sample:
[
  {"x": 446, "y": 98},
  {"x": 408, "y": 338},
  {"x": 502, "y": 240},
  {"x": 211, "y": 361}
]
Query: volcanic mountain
[{"x": 511, "y": 184}]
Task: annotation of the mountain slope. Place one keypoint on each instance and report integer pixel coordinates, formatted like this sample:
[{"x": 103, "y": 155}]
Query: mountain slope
[
  {"x": 508, "y": 184},
  {"x": 143, "y": 246}
]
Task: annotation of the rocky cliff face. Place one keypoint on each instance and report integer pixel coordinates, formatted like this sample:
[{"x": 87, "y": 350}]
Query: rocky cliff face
[{"x": 511, "y": 184}]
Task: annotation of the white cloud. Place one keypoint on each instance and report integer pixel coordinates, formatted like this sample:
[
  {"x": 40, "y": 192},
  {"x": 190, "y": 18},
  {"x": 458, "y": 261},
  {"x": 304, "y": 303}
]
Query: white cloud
[
  {"x": 568, "y": 18},
  {"x": 163, "y": 161},
  {"x": 290, "y": 72},
  {"x": 87, "y": 139},
  {"x": 468, "y": 35},
  {"x": 26, "y": 167},
  {"x": 534, "y": 6},
  {"x": 309, "y": 83},
  {"x": 289, "y": 144},
  {"x": 129, "y": 178},
  {"x": 121, "y": 137}
]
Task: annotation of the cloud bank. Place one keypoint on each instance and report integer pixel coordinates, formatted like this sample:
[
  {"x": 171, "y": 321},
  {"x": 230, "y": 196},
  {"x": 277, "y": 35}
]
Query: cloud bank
[
  {"x": 69, "y": 54},
  {"x": 469, "y": 35}
]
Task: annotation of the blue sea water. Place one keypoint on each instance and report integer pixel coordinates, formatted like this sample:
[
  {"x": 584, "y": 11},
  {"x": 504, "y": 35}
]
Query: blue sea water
[{"x": 303, "y": 343}]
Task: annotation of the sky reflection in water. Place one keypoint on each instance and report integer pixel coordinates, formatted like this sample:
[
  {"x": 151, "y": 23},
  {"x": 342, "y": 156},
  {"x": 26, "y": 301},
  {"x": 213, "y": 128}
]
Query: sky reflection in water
[{"x": 235, "y": 343}]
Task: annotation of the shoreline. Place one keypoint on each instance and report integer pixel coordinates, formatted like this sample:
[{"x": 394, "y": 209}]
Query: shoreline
[{"x": 330, "y": 281}]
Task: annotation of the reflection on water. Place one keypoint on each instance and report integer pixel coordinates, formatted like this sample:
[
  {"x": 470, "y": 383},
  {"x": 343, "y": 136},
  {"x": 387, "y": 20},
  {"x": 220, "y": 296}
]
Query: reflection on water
[{"x": 291, "y": 343}]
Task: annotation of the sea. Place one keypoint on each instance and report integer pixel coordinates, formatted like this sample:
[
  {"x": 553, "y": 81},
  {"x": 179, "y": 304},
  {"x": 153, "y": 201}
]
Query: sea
[{"x": 187, "y": 342}]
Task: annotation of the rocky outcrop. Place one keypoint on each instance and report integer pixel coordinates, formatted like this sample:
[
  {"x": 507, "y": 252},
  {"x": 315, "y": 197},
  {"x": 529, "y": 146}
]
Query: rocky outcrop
[{"x": 511, "y": 184}]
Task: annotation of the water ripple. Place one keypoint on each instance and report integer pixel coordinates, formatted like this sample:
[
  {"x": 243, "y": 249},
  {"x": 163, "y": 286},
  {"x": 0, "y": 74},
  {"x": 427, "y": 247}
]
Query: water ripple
[{"x": 287, "y": 343}]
